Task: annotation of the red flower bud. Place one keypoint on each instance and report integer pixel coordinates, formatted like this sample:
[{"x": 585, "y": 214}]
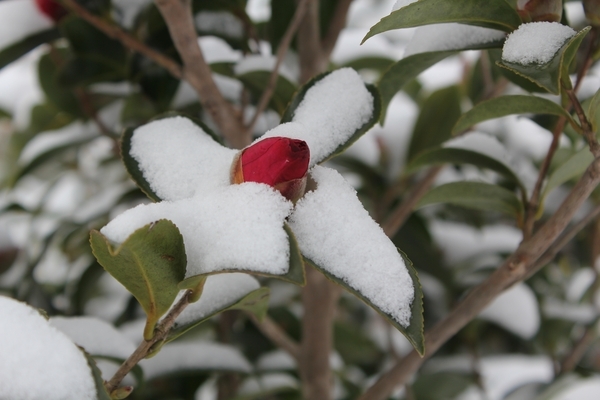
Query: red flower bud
[
  {"x": 278, "y": 161},
  {"x": 540, "y": 10},
  {"x": 51, "y": 9}
]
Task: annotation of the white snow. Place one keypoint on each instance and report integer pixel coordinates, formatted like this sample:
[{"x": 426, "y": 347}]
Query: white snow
[
  {"x": 450, "y": 36},
  {"x": 220, "y": 22},
  {"x": 267, "y": 382},
  {"x": 330, "y": 113},
  {"x": 257, "y": 62},
  {"x": 97, "y": 337},
  {"x": 481, "y": 143},
  {"x": 402, "y": 3},
  {"x": 579, "y": 283},
  {"x": 220, "y": 291},
  {"x": 39, "y": 361},
  {"x": 20, "y": 19},
  {"x": 579, "y": 313},
  {"x": 217, "y": 50},
  {"x": 235, "y": 227},
  {"x": 581, "y": 389},
  {"x": 515, "y": 310},
  {"x": 348, "y": 47},
  {"x": 185, "y": 356},
  {"x": 336, "y": 232},
  {"x": 276, "y": 360},
  {"x": 259, "y": 10},
  {"x": 535, "y": 42},
  {"x": 46, "y": 141},
  {"x": 179, "y": 160}
]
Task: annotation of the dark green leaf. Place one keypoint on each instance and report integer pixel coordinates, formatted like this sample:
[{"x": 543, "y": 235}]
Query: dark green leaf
[
  {"x": 414, "y": 332},
  {"x": 571, "y": 168},
  {"x": 508, "y": 105},
  {"x": 452, "y": 155},
  {"x": 474, "y": 195},
  {"x": 255, "y": 302},
  {"x": 16, "y": 50},
  {"x": 441, "y": 385},
  {"x": 438, "y": 115},
  {"x": 257, "y": 82},
  {"x": 496, "y": 14},
  {"x": 549, "y": 76},
  {"x": 375, "y": 63},
  {"x": 593, "y": 112},
  {"x": 150, "y": 264},
  {"x": 101, "y": 392},
  {"x": 405, "y": 71},
  {"x": 58, "y": 94}
]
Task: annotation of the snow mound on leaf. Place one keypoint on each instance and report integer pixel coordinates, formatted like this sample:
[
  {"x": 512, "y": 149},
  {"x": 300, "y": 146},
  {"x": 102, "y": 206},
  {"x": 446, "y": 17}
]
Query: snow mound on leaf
[
  {"x": 536, "y": 42},
  {"x": 39, "y": 361}
]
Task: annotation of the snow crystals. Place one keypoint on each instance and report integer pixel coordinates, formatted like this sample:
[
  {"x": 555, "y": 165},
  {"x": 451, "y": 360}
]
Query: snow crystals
[{"x": 536, "y": 42}]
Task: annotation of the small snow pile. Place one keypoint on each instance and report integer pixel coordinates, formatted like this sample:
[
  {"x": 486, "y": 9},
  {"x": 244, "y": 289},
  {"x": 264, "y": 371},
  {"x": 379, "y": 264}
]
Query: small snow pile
[
  {"x": 451, "y": 36},
  {"x": 536, "y": 42},
  {"x": 39, "y": 361},
  {"x": 20, "y": 19}
]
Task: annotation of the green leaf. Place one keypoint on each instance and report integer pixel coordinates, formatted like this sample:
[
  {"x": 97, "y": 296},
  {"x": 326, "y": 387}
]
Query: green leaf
[
  {"x": 571, "y": 168},
  {"x": 295, "y": 274},
  {"x": 593, "y": 112},
  {"x": 474, "y": 195},
  {"x": 452, "y": 155},
  {"x": 438, "y": 115},
  {"x": 549, "y": 75},
  {"x": 56, "y": 92},
  {"x": 496, "y": 14},
  {"x": 101, "y": 392},
  {"x": 508, "y": 105},
  {"x": 257, "y": 82},
  {"x": 414, "y": 332},
  {"x": 405, "y": 71},
  {"x": 16, "y": 50},
  {"x": 255, "y": 302},
  {"x": 441, "y": 385},
  {"x": 150, "y": 264},
  {"x": 288, "y": 115},
  {"x": 373, "y": 62}
]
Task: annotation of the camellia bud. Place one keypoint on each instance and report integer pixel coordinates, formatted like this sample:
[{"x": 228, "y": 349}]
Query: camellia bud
[
  {"x": 51, "y": 9},
  {"x": 592, "y": 11},
  {"x": 278, "y": 161},
  {"x": 540, "y": 10}
]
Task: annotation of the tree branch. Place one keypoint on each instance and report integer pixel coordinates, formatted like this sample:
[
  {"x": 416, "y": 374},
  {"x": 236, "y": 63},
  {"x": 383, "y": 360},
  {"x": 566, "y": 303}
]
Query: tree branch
[
  {"x": 281, "y": 52},
  {"x": 179, "y": 20},
  {"x": 160, "y": 332},
  {"x": 337, "y": 23},
  {"x": 271, "y": 330},
  {"x": 312, "y": 58},
  {"x": 396, "y": 219},
  {"x": 521, "y": 264},
  {"x": 129, "y": 41}
]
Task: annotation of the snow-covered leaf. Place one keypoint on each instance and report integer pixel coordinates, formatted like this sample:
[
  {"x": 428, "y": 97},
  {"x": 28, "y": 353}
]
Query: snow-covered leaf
[
  {"x": 222, "y": 292},
  {"x": 551, "y": 74},
  {"x": 475, "y": 195},
  {"x": 150, "y": 264},
  {"x": 507, "y": 105},
  {"x": 38, "y": 361},
  {"x": 337, "y": 236},
  {"x": 495, "y": 14},
  {"x": 330, "y": 113}
]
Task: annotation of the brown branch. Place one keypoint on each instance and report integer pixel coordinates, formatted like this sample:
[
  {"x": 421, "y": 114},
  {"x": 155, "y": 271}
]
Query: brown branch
[
  {"x": 516, "y": 268},
  {"x": 160, "y": 332},
  {"x": 572, "y": 359},
  {"x": 271, "y": 330},
  {"x": 312, "y": 58},
  {"x": 337, "y": 23},
  {"x": 129, "y": 41},
  {"x": 402, "y": 212},
  {"x": 284, "y": 45},
  {"x": 588, "y": 132},
  {"x": 180, "y": 22}
]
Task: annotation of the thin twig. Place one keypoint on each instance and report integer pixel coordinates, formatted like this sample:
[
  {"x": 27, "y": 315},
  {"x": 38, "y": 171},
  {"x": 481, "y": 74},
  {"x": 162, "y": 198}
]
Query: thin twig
[
  {"x": 402, "y": 212},
  {"x": 515, "y": 269},
  {"x": 129, "y": 41},
  {"x": 160, "y": 332},
  {"x": 337, "y": 23},
  {"x": 281, "y": 52},
  {"x": 312, "y": 58},
  {"x": 271, "y": 330},
  {"x": 578, "y": 351},
  {"x": 180, "y": 22}
]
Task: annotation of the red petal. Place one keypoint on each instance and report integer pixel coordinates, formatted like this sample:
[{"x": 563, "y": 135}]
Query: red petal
[{"x": 51, "y": 9}]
